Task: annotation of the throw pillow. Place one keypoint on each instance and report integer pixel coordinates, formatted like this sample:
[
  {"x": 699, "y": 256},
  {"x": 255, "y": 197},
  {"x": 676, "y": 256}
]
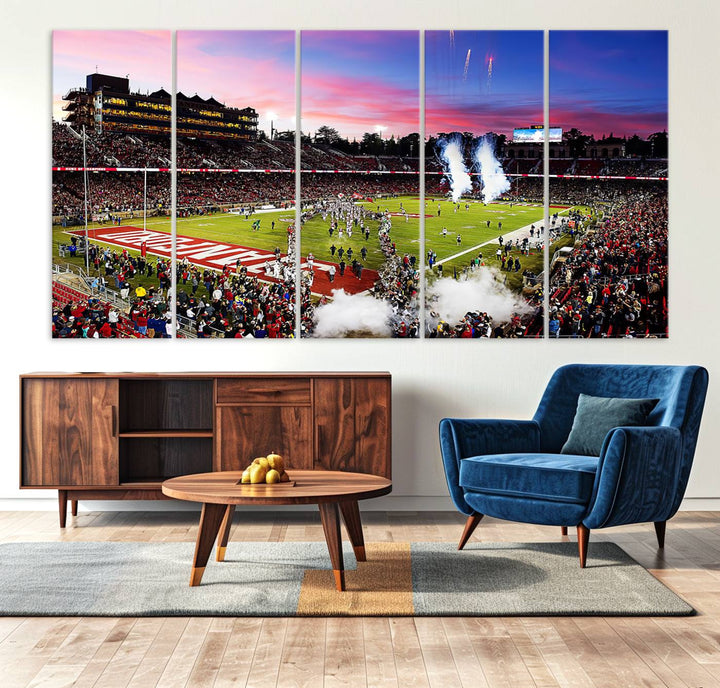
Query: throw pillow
[{"x": 596, "y": 416}]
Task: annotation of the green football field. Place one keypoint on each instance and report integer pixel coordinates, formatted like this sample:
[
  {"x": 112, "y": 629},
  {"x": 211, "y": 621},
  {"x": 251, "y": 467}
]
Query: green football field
[{"x": 470, "y": 224}]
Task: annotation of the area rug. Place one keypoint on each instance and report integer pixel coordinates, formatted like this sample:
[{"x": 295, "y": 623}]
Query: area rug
[{"x": 294, "y": 578}]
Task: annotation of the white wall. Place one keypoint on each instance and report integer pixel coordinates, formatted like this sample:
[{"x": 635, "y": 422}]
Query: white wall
[{"x": 431, "y": 379}]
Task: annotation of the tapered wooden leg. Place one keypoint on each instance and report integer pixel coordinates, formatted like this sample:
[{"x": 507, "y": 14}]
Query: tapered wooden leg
[
  {"x": 351, "y": 515},
  {"x": 73, "y": 507},
  {"x": 660, "y": 532},
  {"x": 62, "y": 506},
  {"x": 224, "y": 534},
  {"x": 210, "y": 520},
  {"x": 563, "y": 530},
  {"x": 470, "y": 525},
  {"x": 583, "y": 535},
  {"x": 330, "y": 517}
]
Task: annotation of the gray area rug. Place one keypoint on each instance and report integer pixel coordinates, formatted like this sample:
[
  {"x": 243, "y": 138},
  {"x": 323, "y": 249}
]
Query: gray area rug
[{"x": 281, "y": 579}]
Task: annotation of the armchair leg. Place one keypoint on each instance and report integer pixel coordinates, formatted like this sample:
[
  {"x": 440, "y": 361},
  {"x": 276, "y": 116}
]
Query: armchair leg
[
  {"x": 583, "y": 535},
  {"x": 660, "y": 532},
  {"x": 470, "y": 525}
]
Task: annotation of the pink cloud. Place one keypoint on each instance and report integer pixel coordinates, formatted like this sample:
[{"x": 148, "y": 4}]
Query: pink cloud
[
  {"x": 239, "y": 68},
  {"x": 355, "y": 105},
  {"x": 599, "y": 123},
  {"x": 145, "y": 55}
]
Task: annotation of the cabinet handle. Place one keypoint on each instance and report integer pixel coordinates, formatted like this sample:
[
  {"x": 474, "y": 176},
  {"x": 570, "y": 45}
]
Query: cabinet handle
[{"x": 114, "y": 416}]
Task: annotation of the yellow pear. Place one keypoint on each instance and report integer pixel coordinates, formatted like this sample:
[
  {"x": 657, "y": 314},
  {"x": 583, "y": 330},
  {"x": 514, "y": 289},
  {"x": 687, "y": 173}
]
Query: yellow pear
[
  {"x": 276, "y": 462},
  {"x": 262, "y": 461},
  {"x": 245, "y": 476},
  {"x": 257, "y": 473},
  {"x": 272, "y": 476}
]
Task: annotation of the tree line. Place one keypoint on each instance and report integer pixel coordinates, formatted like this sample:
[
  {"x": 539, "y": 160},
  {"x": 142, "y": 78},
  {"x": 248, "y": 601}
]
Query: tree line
[{"x": 372, "y": 143}]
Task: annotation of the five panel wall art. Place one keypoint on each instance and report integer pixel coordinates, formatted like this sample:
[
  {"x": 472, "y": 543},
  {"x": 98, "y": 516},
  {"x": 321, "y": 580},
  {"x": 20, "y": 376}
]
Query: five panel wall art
[{"x": 396, "y": 184}]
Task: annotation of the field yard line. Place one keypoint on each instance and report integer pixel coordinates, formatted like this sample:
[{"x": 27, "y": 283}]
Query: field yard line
[{"x": 509, "y": 235}]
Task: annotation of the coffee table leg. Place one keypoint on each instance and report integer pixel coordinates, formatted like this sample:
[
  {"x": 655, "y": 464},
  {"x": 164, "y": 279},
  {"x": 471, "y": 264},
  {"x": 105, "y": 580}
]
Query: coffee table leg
[
  {"x": 210, "y": 519},
  {"x": 351, "y": 516},
  {"x": 224, "y": 534},
  {"x": 330, "y": 518}
]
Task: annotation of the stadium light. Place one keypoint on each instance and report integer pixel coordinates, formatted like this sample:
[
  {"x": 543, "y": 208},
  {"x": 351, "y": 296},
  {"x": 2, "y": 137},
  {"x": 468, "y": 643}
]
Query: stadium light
[{"x": 271, "y": 116}]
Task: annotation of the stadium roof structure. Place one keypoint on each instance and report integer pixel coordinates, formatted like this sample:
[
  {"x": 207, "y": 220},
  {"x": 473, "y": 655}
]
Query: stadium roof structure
[{"x": 161, "y": 93}]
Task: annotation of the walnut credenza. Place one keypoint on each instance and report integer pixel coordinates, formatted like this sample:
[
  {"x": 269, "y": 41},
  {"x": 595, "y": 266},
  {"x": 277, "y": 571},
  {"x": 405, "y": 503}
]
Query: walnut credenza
[{"x": 119, "y": 435}]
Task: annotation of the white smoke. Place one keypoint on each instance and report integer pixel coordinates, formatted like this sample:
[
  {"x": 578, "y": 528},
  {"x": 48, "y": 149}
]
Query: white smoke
[
  {"x": 494, "y": 181},
  {"x": 353, "y": 313},
  {"x": 451, "y": 299},
  {"x": 451, "y": 154}
]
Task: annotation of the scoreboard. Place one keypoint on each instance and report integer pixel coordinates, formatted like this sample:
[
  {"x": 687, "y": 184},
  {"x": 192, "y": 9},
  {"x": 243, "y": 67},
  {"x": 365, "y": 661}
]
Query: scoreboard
[{"x": 536, "y": 134}]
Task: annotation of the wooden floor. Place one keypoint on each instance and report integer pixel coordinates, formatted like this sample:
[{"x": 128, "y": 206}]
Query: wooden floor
[{"x": 373, "y": 652}]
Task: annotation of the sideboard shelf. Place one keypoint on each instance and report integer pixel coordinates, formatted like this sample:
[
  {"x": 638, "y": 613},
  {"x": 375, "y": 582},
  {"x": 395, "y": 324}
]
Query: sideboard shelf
[
  {"x": 120, "y": 435},
  {"x": 167, "y": 433}
]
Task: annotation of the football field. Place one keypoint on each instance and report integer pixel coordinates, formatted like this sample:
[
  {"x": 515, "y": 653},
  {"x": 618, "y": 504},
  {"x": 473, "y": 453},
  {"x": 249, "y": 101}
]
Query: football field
[{"x": 456, "y": 233}]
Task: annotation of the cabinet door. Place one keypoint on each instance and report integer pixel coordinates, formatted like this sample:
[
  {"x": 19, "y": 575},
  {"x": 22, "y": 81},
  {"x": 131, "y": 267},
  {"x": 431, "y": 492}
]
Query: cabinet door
[
  {"x": 352, "y": 425},
  {"x": 69, "y": 432},
  {"x": 246, "y": 432}
]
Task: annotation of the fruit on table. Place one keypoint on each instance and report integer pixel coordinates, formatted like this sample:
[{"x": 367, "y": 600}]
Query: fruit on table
[
  {"x": 268, "y": 469},
  {"x": 276, "y": 462},
  {"x": 257, "y": 473},
  {"x": 262, "y": 461}
]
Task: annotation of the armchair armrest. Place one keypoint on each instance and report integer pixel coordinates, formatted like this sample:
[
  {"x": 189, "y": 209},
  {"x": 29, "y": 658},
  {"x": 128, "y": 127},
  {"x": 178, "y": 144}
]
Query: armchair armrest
[
  {"x": 461, "y": 438},
  {"x": 637, "y": 478}
]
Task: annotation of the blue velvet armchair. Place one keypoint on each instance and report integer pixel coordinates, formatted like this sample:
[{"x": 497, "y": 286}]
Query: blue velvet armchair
[{"x": 515, "y": 470}]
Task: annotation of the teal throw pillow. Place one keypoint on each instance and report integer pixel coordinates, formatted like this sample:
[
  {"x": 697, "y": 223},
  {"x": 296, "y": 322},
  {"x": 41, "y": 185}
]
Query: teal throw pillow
[{"x": 596, "y": 416}]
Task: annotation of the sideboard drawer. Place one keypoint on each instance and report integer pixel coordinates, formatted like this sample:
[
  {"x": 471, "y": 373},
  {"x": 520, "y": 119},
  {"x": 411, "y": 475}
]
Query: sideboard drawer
[{"x": 264, "y": 390}]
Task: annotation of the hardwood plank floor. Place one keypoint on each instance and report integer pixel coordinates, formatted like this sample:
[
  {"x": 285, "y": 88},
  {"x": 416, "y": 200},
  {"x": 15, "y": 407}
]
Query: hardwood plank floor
[{"x": 373, "y": 652}]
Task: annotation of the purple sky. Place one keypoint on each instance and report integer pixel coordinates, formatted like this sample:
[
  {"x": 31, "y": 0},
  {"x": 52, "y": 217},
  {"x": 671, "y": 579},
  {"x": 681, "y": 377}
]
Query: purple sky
[
  {"x": 466, "y": 91},
  {"x": 604, "y": 82},
  {"x": 145, "y": 55},
  {"x": 241, "y": 69},
  {"x": 361, "y": 81},
  {"x": 367, "y": 81}
]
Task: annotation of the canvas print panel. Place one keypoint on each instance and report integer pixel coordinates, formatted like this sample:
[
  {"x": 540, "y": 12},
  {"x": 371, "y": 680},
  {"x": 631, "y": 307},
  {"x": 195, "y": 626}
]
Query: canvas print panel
[
  {"x": 359, "y": 183},
  {"x": 484, "y": 195},
  {"x": 111, "y": 188},
  {"x": 236, "y": 184},
  {"x": 609, "y": 184}
]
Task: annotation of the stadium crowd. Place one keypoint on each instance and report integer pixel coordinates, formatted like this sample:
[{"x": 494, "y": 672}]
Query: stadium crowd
[
  {"x": 398, "y": 277},
  {"x": 614, "y": 282}
]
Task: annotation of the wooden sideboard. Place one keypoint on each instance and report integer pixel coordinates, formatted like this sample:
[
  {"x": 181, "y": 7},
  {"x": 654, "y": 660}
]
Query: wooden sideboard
[{"x": 119, "y": 435}]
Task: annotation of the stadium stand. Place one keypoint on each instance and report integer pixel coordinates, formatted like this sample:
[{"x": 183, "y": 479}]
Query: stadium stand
[{"x": 612, "y": 284}]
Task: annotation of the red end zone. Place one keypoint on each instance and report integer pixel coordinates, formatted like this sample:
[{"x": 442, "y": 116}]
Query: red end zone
[{"x": 216, "y": 255}]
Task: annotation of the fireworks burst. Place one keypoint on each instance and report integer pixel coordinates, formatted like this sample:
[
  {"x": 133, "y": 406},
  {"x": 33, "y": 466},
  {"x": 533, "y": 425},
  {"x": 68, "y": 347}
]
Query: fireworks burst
[
  {"x": 452, "y": 38},
  {"x": 467, "y": 64},
  {"x": 489, "y": 72}
]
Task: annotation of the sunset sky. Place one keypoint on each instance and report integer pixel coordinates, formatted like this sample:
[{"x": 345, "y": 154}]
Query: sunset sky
[
  {"x": 242, "y": 69},
  {"x": 368, "y": 81},
  {"x": 146, "y": 56},
  {"x": 609, "y": 81},
  {"x": 465, "y": 92},
  {"x": 361, "y": 81}
]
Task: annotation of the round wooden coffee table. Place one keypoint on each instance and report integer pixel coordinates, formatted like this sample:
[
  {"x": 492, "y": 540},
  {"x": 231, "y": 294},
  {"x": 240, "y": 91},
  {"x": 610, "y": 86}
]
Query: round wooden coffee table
[{"x": 335, "y": 493}]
